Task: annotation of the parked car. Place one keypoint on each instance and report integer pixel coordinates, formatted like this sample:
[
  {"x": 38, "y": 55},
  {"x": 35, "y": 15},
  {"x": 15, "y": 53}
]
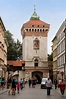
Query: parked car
[{"x": 43, "y": 83}]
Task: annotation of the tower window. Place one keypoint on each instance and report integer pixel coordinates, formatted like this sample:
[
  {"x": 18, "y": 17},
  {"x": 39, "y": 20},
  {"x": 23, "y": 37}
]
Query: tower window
[
  {"x": 38, "y": 30},
  {"x": 36, "y": 62},
  {"x": 35, "y": 30},
  {"x": 32, "y": 25},
  {"x": 26, "y": 29},
  {"x": 43, "y": 30},
  {"x": 43, "y": 25},
  {"x": 32, "y": 30}
]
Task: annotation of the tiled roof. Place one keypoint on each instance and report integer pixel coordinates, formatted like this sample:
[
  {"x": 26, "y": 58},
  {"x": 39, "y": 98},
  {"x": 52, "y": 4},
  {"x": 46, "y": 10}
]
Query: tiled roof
[
  {"x": 36, "y": 22},
  {"x": 15, "y": 63}
]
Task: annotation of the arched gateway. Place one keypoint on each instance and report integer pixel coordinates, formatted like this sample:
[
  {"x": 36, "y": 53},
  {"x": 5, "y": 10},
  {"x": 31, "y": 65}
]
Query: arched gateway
[
  {"x": 38, "y": 75},
  {"x": 34, "y": 34}
]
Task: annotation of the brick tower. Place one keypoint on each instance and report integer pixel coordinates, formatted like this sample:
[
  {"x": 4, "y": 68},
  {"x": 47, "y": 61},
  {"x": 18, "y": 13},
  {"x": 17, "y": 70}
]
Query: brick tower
[{"x": 35, "y": 34}]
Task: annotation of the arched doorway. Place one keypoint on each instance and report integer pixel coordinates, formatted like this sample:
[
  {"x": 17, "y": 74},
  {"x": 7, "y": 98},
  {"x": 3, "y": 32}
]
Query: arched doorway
[{"x": 38, "y": 75}]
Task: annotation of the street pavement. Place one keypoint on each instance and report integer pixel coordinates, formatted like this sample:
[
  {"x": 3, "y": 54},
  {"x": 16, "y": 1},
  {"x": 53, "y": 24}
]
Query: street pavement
[
  {"x": 25, "y": 90},
  {"x": 3, "y": 91},
  {"x": 58, "y": 90}
]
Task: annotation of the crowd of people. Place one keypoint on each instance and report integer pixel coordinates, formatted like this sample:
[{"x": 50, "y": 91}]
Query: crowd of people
[
  {"x": 61, "y": 84},
  {"x": 2, "y": 83},
  {"x": 32, "y": 82},
  {"x": 15, "y": 85}
]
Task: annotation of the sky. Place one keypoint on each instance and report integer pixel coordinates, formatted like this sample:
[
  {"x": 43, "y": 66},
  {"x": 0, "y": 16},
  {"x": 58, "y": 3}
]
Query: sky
[{"x": 15, "y": 13}]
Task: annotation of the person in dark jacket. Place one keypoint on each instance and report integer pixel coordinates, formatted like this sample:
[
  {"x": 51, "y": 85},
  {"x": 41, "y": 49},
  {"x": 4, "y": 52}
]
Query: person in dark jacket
[
  {"x": 29, "y": 82},
  {"x": 55, "y": 83},
  {"x": 13, "y": 87}
]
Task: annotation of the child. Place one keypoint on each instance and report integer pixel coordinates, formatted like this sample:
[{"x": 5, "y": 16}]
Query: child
[
  {"x": 18, "y": 86},
  {"x": 9, "y": 89}
]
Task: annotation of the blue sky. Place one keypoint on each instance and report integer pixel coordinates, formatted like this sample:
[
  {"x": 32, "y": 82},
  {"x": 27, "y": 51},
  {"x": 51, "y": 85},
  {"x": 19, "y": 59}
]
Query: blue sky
[{"x": 16, "y": 12}]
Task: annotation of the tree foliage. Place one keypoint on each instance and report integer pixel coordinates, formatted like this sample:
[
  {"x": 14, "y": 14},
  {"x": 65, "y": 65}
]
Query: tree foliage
[
  {"x": 14, "y": 50},
  {"x": 50, "y": 57}
]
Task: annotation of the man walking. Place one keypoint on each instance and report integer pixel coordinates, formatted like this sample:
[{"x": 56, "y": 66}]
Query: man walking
[
  {"x": 49, "y": 85},
  {"x": 55, "y": 83}
]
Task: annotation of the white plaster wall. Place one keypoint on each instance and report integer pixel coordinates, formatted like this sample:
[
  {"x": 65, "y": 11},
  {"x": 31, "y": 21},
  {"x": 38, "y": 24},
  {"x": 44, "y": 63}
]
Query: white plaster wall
[
  {"x": 21, "y": 74},
  {"x": 29, "y": 52}
]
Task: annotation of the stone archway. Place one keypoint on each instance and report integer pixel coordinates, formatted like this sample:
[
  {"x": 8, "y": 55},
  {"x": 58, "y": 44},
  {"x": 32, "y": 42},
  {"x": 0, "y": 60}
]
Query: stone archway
[{"x": 38, "y": 75}]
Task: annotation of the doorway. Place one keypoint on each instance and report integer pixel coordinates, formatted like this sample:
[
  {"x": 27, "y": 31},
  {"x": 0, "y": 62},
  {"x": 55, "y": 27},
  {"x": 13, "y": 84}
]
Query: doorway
[{"x": 38, "y": 75}]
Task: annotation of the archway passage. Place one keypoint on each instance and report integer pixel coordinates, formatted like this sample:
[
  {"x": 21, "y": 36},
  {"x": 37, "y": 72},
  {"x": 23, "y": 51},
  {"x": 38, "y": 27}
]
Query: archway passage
[{"x": 38, "y": 75}]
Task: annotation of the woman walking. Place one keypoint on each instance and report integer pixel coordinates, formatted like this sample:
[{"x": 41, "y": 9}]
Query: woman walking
[{"x": 62, "y": 86}]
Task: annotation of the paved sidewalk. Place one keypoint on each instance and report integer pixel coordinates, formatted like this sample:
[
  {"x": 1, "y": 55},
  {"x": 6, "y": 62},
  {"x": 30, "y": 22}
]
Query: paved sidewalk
[
  {"x": 58, "y": 91},
  {"x": 3, "y": 91}
]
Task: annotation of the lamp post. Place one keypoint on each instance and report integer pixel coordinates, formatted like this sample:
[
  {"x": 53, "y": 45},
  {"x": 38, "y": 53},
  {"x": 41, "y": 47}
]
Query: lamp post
[{"x": 62, "y": 73}]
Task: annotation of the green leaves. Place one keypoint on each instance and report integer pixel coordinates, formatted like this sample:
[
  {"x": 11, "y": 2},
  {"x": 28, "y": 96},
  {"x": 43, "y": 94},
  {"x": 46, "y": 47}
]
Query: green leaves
[{"x": 14, "y": 49}]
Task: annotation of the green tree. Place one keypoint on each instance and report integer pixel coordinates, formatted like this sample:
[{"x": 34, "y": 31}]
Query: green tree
[
  {"x": 14, "y": 49},
  {"x": 50, "y": 57}
]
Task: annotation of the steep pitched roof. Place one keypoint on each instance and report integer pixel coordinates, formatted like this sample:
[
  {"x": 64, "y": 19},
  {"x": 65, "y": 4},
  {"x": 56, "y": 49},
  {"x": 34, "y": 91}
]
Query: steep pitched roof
[{"x": 36, "y": 22}]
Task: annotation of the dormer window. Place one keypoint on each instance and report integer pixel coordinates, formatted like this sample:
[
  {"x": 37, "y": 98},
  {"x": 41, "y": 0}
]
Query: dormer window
[
  {"x": 26, "y": 29},
  {"x": 32, "y": 25}
]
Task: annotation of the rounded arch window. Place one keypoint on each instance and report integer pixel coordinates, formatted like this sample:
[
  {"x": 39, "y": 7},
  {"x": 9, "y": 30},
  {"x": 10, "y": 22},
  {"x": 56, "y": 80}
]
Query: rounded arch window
[{"x": 36, "y": 62}]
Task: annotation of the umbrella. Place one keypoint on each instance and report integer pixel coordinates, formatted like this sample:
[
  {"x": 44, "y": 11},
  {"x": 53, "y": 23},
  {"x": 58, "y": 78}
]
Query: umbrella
[{"x": 15, "y": 73}]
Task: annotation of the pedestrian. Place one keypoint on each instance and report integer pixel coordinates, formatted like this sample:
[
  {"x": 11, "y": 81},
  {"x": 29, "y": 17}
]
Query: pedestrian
[
  {"x": 21, "y": 83},
  {"x": 18, "y": 86},
  {"x": 29, "y": 82},
  {"x": 9, "y": 89},
  {"x": 13, "y": 87},
  {"x": 49, "y": 85},
  {"x": 55, "y": 83},
  {"x": 62, "y": 86}
]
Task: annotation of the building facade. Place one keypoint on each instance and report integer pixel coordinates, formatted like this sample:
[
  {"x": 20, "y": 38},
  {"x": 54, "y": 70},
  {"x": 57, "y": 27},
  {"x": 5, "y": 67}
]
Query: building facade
[
  {"x": 3, "y": 51},
  {"x": 54, "y": 48},
  {"x": 60, "y": 50},
  {"x": 35, "y": 35}
]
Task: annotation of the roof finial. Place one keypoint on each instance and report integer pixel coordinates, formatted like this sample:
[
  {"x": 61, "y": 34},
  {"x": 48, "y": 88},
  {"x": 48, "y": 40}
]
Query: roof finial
[{"x": 34, "y": 9}]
